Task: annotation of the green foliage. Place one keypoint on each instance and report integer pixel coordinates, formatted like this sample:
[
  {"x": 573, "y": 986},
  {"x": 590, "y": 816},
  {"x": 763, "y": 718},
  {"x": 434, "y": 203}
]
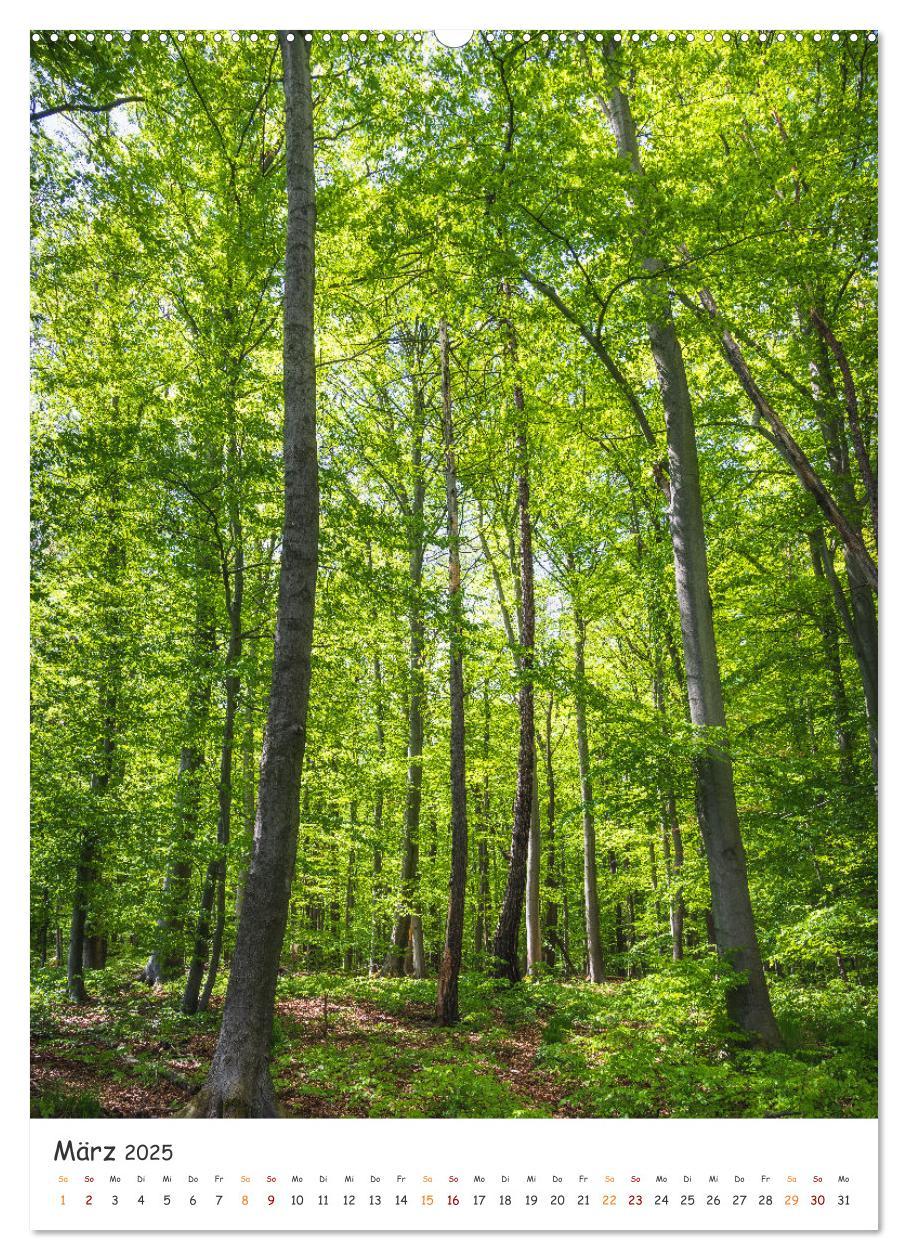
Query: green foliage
[{"x": 467, "y": 186}]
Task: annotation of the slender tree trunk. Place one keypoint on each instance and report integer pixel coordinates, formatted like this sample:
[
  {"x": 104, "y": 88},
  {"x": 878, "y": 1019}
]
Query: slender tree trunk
[
  {"x": 482, "y": 835},
  {"x": 504, "y": 943},
  {"x": 213, "y": 889},
  {"x": 239, "y": 1082},
  {"x": 534, "y": 854},
  {"x": 166, "y": 960},
  {"x": 446, "y": 1007},
  {"x": 673, "y": 854},
  {"x": 790, "y": 450},
  {"x": 85, "y": 864},
  {"x": 377, "y": 821},
  {"x": 402, "y": 929},
  {"x": 550, "y": 922},
  {"x": 829, "y": 636},
  {"x": 868, "y": 475},
  {"x": 595, "y": 968},
  {"x": 248, "y": 811},
  {"x": 857, "y": 609},
  {"x": 217, "y": 939},
  {"x": 90, "y": 842},
  {"x": 736, "y": 937}
]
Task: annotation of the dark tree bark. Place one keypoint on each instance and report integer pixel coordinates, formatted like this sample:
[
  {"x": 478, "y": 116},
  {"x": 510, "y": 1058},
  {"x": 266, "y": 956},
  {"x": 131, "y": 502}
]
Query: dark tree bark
[
  {"x": 595, "y": 968},
  {"x": 239, "y": 1083},
  {"x": 446, "y": 1007},
  {"x": 736, "y": 939},
  {"x": 504, "y": 944}
]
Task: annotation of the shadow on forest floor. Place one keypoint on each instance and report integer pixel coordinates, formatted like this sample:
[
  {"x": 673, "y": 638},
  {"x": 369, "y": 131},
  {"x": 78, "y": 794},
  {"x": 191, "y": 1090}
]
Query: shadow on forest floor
[{"x": 346, "y": 1046}]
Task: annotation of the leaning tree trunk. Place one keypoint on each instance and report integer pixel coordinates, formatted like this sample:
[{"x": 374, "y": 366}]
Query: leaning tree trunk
[
  {"x": 239, "y": 1083},
  {"x": 446, "y": 1007},
  {"x": 736, "y": 938},
  {"x": 590, "y": 883},
  {"x": 506, "y": 963}
]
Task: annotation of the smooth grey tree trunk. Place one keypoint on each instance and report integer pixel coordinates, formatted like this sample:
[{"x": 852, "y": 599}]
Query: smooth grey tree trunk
[
  {"x": 377, "y": 820},
  {"x": 406, "y": 919},
  {"x": 736, "y": 939},
  {"x": 595, "y": 967},
  {"x": 213, "y": 887},
  {"x": 239, "y": 1082},
  {"x": 446, "y": 1006},
  {"x": 504, "y": 944}
]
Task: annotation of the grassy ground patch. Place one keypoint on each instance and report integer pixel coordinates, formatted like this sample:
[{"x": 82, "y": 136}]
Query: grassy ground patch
[{"x": 359, "y": 1046}]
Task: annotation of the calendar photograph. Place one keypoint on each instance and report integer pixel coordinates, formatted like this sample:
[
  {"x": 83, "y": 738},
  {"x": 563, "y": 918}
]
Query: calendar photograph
[{"x": 454, "y": 557}]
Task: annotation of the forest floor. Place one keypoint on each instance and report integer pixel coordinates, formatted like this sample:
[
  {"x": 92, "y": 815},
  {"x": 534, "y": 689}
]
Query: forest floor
[{"x": 349, "y": 1046}]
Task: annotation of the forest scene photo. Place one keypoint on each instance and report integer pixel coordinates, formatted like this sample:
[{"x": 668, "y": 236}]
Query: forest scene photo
[{"x": 454, "y": 562}]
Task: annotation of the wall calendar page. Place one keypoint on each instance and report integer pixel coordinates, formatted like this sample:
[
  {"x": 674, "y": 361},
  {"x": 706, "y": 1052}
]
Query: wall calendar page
[{"x": 455, "y": 534}]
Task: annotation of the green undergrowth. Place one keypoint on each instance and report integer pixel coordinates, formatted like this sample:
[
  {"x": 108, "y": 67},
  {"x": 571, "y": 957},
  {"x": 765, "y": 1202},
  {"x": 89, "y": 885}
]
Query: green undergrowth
[{"x": 361, "y": 1046}]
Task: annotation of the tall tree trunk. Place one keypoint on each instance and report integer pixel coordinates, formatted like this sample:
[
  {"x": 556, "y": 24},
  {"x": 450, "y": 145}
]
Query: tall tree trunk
[
  {"x": 213, "y": 888},
  {"x": 377, "y": 820},
  {"x": 829, "y": 637},
  {"x": 239, "y": 1082},
  {"x": 482, "y": 834},
  {"x": 401, "y": 931},
  {"x": 90, "y": 837},
  {"x": 595, "y": 968},
  {"x": 673, "y": 854},
  {"x": 748, "y": 1001},
  {"x": 504, "y": 944},
  {"x": 550, "y": 922},
  {"x": 350, "y": 890},
  {"x": 736, "y": 936},
  {"x": 248, "y": 810},
  {"x": 446, "y": 1007},
  {"x": 90, "y": 841},
  {"x": 166, "y": 960},
  {"x": 857, "y": 609},
  {"x": 534, "y": 862}
]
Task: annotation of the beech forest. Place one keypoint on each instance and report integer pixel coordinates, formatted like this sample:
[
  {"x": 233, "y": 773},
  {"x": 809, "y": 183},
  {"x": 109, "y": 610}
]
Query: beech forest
[{"x": 454, "y": 574}]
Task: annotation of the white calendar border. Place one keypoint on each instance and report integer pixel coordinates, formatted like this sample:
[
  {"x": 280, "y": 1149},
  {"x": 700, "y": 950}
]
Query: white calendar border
[{"x": 404, "y": 14}]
